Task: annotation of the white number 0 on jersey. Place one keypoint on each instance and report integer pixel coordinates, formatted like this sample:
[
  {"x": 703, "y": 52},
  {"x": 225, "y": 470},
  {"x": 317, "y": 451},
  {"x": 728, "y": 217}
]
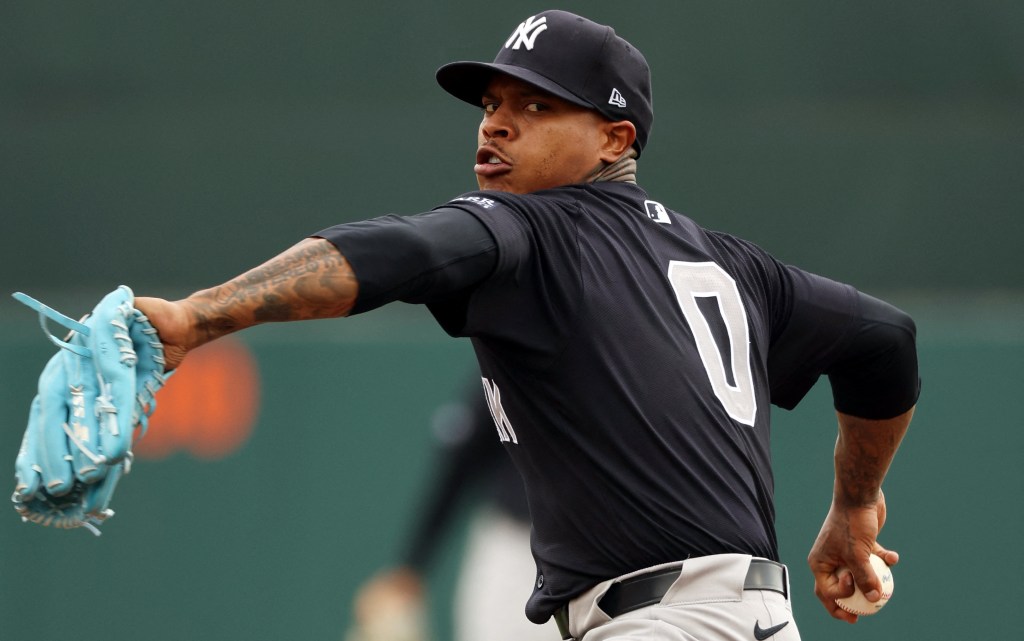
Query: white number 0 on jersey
[{"x": 707, "y": 280}]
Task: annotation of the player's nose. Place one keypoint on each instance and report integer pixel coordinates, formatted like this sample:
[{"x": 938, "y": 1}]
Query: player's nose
[{"x": 497, "y": 124}]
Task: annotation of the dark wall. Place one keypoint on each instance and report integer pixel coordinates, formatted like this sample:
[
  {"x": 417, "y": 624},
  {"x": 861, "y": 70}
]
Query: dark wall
[{"x": 878, "y": 142}]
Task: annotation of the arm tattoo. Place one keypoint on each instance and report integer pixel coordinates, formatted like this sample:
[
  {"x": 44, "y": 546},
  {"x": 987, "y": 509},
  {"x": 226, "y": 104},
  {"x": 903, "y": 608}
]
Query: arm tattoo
[
  {"x": 863, "y": 454},
  {"x": 859, "y": 476},
  {"x": 308, "y": 281}
]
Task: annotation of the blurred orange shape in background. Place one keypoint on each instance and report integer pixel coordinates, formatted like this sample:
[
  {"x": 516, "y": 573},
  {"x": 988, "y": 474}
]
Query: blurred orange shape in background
[{"x": 208, "y": 407}]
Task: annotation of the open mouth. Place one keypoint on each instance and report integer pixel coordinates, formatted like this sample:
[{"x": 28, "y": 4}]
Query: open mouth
[
  {"x": 489, "y": 162},
  {"x": 488, "y": 156}
]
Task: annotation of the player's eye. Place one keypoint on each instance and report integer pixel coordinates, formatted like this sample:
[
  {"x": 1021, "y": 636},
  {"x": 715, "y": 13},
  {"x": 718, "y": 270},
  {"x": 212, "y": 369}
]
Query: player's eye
[
  {"x": 536, "y": 106},
  {"x": 490, "y": 107}
]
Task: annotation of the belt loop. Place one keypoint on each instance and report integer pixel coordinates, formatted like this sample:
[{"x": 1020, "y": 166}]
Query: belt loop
[{"x": 562, "y": 621}]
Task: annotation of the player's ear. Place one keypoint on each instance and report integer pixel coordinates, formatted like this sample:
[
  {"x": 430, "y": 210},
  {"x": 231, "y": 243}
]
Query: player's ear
[{"x": 619, "y": 137}]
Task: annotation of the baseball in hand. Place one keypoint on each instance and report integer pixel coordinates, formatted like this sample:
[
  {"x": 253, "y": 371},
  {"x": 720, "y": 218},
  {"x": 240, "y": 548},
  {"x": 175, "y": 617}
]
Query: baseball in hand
[{"x": 858, "y": 604}]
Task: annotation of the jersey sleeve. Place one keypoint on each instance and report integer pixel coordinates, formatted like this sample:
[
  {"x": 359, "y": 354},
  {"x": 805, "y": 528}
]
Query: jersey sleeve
[
  {"x": 513, "y": 236},
  {"x": 819, "y": 319},
  {"x": 425, "y": 258},
  {"x": 499, "y": 213},
  {"x": 865, "y": 346},
  {"x": 876, "y": 375}
]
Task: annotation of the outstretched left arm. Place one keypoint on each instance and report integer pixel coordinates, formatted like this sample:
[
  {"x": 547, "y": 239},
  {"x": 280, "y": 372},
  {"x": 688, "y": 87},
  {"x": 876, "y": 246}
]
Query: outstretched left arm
[{"x": 310, "y": 280}]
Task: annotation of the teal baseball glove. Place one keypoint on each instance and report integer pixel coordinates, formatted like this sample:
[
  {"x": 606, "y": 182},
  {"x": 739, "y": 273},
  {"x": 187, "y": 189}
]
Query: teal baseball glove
[{"x": 94, "y": 394}]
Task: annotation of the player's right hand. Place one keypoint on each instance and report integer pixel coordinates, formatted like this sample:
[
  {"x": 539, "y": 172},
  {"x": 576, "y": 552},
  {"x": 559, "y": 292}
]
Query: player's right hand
[{"x": 839, "y": 556}]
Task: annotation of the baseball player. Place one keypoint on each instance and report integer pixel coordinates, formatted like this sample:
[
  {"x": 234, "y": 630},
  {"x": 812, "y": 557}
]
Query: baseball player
[
  {"x": 495, "y": 563},
  {"x": 628, "y": 356}
]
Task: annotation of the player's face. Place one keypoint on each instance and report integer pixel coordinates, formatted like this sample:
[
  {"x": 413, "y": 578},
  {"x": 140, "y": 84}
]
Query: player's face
[{"x": 531, "y": 140}]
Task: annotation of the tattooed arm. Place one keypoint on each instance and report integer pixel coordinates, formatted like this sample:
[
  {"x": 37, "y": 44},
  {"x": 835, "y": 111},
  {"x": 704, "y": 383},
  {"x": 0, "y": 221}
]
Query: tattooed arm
[
  {"x": 864, "y": 450},
  {"x": 308, "y": 281},
  {"x": 442, "y": 253}
]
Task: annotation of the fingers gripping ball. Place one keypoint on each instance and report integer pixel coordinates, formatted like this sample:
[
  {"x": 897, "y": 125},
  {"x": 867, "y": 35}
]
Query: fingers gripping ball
[
  {"x": 858, "y": 604},
  {"x": 91, "y": 396}
]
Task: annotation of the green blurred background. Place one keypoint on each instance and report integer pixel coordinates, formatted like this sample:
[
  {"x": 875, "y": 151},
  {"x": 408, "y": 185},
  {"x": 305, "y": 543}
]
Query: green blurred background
[{"x": 171, "y": 146}]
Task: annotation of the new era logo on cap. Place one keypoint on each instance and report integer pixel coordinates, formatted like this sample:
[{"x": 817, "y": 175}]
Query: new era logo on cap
[{"x": 617, "y": 99}]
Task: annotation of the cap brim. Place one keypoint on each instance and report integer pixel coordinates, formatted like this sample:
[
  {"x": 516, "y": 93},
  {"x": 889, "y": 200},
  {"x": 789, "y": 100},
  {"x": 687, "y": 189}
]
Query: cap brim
[{"x": 467, "y": 81}]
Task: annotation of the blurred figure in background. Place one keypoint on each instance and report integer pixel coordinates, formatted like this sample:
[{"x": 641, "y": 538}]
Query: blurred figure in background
[{"x": 496, "y": 569}]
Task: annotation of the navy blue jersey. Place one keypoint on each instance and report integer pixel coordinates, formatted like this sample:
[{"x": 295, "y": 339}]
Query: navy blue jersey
[{"x": 629, "y": 359}]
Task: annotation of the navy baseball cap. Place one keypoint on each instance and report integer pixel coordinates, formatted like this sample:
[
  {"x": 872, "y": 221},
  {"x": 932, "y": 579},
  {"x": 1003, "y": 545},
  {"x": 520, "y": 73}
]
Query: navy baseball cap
[{"x": 571, "y": 57}]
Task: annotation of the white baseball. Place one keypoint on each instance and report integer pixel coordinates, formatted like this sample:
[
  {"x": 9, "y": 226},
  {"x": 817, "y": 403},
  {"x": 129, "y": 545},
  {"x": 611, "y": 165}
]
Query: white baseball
[{"x": 858, "y": 604}]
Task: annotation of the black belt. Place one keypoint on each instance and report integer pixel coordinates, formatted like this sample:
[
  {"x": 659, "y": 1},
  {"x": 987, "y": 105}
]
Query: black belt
[{"x": 647, "y": 589}]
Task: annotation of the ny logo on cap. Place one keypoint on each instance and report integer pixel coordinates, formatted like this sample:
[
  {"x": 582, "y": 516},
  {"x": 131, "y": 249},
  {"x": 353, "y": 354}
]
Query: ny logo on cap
[{"x": 526, "y": 33}]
